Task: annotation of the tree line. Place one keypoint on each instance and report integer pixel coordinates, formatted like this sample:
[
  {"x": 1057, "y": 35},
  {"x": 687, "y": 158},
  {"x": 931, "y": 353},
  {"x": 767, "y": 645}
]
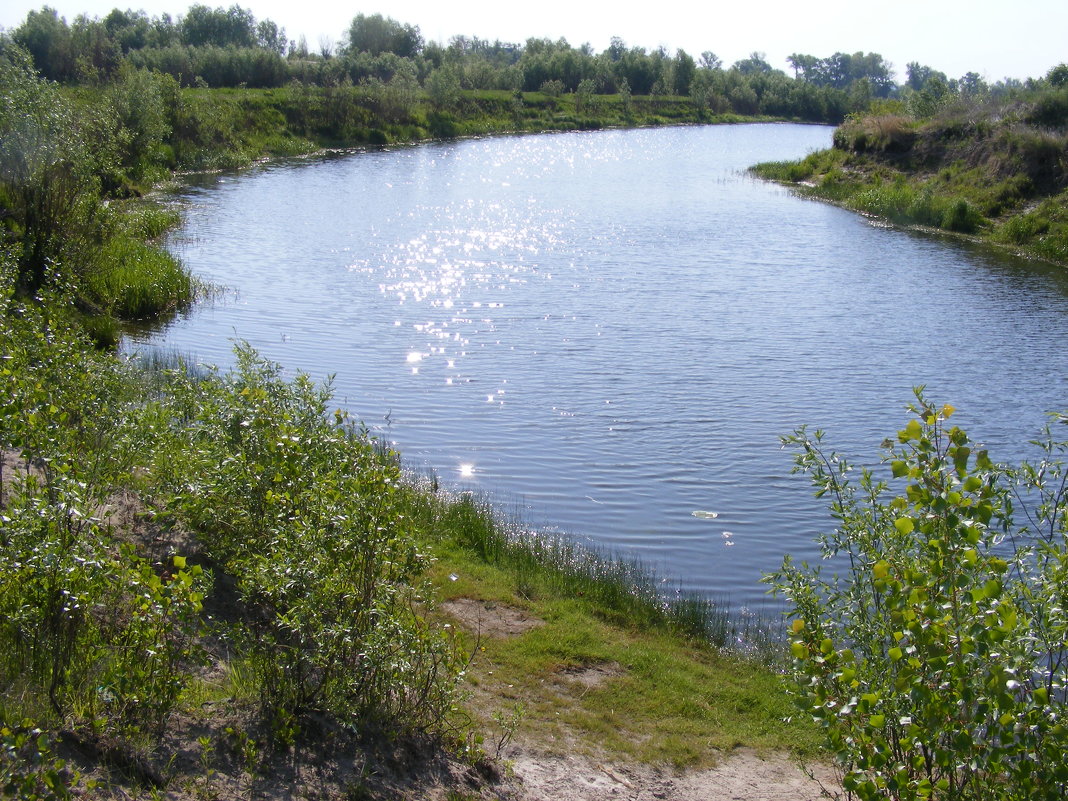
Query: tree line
[{"x": 229, "y": 47}]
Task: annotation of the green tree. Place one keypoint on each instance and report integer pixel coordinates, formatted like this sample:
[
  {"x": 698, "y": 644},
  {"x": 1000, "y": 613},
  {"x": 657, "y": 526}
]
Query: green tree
[
  {"x": 376, "y": 34},
  {"x": 754, "y": 65},
  {"x": 806, "y": 68},
  {"x": 43, "y": 184},
  {"x": 684, "y": 70},
  {"x": 1058, "y": 76},
  {"x": 46, "y": 37},
  {"x": 932, "y": 97},
  {"x": 584, "y": 96},
  {"x": 710, "y": 61},
  {"x": 233, "y": 27},
  {"x": 625, "y": 98},
  {"x": 443, "y": 86},
  {"x": 917, "y": 75}
]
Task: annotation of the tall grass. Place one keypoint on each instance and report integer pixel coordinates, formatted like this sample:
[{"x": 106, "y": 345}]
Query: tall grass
[
  {"x": 134, "y": 280},
  {"x": 622, "y": 590}
]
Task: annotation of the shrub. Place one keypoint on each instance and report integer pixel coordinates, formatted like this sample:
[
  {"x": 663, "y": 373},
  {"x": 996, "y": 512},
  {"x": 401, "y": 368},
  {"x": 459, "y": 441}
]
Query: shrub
[
  {"x": 879, "y": 134},
  {"x": 960, "y": 216},
  {"x": 935, "y": 662},
  {"x": 90, "y": 631},
  {"x": 303, "y": 511}
]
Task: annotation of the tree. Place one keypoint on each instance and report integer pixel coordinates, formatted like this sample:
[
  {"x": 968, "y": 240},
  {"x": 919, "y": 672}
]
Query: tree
[
  {"x": 46, "y": 37},
  {"x": 710, "y": 61},
  {"x": 270, "y": 37},
  {"x": 806, "y": 68},
  {"x": 684, "y": 69},
  {"x": 584, "y": 96},
  {"x": 42, "y": 180},
  {"x": 443, "y": 86},
  {"x": 132, "y": 30},
  {"x": 917, "y": 75},
  {"x": 624, "y": 95},
  {"x": 754, "y": 65},
  {"x": 1058, "y": 76},
  {"x": 934, "y": 94},
  {"x": 233, "y": 27},
  {"x": 376, "y": 34}
]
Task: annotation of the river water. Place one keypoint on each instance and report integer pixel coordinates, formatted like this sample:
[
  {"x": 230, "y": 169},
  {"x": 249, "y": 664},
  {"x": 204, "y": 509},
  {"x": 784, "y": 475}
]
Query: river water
[{"x": 609, "y": 331}]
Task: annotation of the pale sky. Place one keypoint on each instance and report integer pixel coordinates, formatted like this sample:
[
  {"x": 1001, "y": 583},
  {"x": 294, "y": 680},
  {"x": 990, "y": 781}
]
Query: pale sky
[{"x": 995, "y": 38}]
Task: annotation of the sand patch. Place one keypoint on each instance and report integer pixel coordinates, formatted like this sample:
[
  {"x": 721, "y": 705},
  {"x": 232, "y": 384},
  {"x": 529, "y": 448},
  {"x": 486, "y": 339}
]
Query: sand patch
[{"x": 489, "y": 618}]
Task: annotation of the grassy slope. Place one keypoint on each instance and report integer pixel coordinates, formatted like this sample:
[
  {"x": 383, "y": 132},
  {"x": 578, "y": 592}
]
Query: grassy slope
[
  {"x": 996, "y": 171},
  {"x": 661, "y": 695}
]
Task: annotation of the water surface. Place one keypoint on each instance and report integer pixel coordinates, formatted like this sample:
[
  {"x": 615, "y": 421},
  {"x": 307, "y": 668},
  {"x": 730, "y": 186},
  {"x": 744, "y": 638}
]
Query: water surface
[{"x": 610, "y": 331}]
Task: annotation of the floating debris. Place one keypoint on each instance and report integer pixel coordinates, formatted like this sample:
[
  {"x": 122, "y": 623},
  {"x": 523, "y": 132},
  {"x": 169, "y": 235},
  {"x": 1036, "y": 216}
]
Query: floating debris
[{"x": 705, "y": 515}]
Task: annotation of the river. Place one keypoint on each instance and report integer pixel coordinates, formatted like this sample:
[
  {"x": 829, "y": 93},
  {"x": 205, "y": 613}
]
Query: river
[{"x": 609, "y": 331}]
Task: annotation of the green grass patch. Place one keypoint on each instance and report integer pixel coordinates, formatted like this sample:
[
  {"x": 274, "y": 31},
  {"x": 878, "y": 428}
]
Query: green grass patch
[{"x": 655, "y": 695}]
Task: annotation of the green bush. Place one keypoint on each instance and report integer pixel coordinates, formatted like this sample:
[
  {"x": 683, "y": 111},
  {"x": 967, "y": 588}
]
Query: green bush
[
  {"x": 304, "y": 511},
  {"x": 935, "y": 660},
  {"x": 960, "y": 216},
  {"x": 90, "y": 631}
]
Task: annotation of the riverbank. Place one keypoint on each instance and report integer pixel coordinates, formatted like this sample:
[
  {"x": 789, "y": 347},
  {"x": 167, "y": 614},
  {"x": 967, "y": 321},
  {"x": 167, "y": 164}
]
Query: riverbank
[
  {"x": 993, "y": 170},
  {"x": 227, "y": 536}
]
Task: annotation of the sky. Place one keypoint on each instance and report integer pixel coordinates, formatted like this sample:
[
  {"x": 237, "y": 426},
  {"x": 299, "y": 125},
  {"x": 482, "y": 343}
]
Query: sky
[{"x": 995, "y": 38}]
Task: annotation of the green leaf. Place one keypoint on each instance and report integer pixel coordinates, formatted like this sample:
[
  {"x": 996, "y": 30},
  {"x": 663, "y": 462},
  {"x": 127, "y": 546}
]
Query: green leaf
[{"x": 904, "y": 525}]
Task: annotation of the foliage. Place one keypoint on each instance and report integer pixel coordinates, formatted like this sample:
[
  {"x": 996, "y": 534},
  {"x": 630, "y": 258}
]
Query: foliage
[
  {"x": 301, "y": 510},
  {"x": 935, "y": 661},
  {"x": 28, "y": 768},
  {"x": 91, "y": 630},
  {"x": 229, "y": 48},
  {"x": 988, "y": 162},
  {"x": 58, "y": 161}
]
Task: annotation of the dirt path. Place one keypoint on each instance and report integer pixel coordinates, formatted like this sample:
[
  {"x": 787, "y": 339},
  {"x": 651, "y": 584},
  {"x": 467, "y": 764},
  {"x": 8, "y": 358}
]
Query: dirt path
[{"x": 745, "y": 775}]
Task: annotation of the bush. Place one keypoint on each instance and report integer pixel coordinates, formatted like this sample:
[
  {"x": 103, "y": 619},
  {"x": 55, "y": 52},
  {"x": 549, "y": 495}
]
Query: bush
[
  {"x": 90, "y": 631},
  {"x": 880, "y": 134},
  {"x": 960, "y": 216},
  {"x": 303, "y": 510},
  {"x": 935, "y": 663}
]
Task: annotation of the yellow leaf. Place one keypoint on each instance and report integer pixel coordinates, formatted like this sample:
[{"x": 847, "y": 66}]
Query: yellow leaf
[{"x": 904, "y": 525}]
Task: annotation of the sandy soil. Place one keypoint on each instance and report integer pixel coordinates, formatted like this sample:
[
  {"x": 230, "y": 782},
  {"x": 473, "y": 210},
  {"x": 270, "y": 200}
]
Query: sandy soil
[{"x": 744, "y": 775}]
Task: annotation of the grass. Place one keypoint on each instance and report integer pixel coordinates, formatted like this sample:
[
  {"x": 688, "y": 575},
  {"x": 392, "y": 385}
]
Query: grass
[
  {"x": 675, "y": 683},
  {"x": 621, "y": 590},
  {"x": 665, "y": 698}
]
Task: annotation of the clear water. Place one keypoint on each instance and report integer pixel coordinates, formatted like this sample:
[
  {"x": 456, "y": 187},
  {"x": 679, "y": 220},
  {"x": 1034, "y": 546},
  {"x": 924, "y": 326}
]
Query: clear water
[{"x": 610, "y": 331}]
